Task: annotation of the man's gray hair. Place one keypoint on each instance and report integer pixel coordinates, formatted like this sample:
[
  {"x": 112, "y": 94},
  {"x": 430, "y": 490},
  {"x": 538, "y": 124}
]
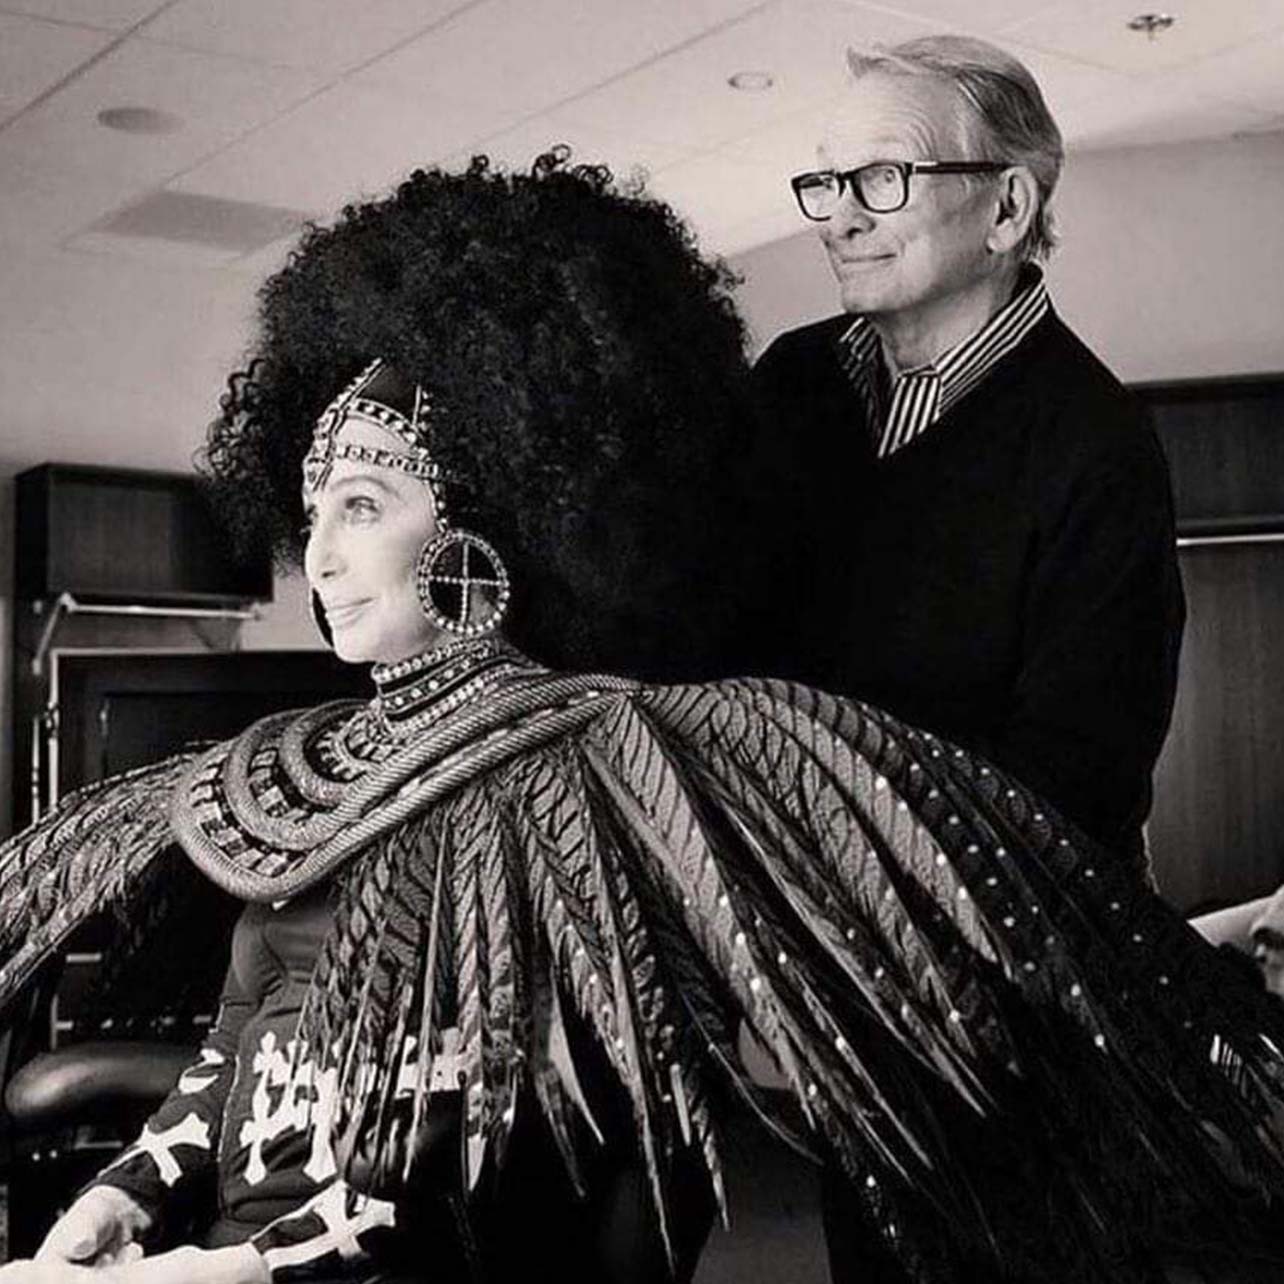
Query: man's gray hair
[{"x": 1004, "y": 114}]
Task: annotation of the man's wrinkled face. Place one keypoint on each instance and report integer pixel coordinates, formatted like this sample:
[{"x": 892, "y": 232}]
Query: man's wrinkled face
[{"x": 936, "y": 245}]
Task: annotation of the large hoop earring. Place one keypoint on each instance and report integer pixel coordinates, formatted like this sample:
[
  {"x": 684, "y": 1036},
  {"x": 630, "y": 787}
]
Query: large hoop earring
[{"x": 455, "y": 568}]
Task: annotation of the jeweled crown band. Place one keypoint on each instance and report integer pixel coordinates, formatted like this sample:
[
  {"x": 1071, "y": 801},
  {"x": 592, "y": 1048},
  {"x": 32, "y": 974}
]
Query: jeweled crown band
[
  {"x": 370, "y": 398},
  {"x": 417, "y": 465}
]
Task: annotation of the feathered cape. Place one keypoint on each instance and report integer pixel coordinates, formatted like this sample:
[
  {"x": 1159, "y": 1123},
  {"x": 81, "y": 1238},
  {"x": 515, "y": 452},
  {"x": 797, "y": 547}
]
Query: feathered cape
[{"x": 1018, "y": 1054}]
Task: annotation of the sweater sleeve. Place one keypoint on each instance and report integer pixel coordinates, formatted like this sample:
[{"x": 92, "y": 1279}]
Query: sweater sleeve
[
  {"x": 181, "y": 1140},
  {"x": 1102, "y": 632}
]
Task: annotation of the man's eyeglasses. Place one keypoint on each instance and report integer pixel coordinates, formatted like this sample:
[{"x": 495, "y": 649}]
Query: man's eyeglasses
[{"x": 882, "y": 187}]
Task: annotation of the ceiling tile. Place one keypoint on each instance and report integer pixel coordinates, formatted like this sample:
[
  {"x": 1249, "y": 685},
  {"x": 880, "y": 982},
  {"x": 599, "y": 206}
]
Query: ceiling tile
[
  {"x": 110, "y": 15},
  {"x": 516, "y": 148},
  {"x": 1097, "y": 32},
  {"x": 323, "y": 35},
  {"x": 35, "y": 55},
  {"x": 1152, "y": 111},
  {"x": 1252, "y": 76},
  {"x": 345, "y": 142},
  {"x": 40, "y": 203},
  {"x": 150, "y": 249},
  {"x": 971, "y": 16},
  {"x": 783, "y": 149},
  {"x": 531, "y": 54},
  {"x": 216, "y": 98},
  {"x": 1063, "y": 81},
  {"x": 714, "y": 193},
  {"x": 685, "y": 99},
  {"x": 189, "y": 218}
]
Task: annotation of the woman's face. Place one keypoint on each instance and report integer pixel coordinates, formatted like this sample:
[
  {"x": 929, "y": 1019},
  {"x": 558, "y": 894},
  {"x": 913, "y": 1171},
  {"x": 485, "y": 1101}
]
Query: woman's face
[{"x": 366, "y": 527}]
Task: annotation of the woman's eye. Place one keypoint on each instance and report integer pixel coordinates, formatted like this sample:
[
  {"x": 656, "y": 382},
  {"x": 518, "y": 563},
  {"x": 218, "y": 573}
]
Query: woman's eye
[{"x": 360, "y": 508}]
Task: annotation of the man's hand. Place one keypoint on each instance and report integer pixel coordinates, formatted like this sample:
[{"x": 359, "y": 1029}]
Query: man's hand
[{"x": 101, "y": 1228}]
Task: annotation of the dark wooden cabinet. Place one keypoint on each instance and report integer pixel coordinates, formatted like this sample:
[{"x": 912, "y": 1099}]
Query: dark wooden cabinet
[
  {"x": 1217, "y": 828},
  {"x": 1224, "y": 439},
  {"x": 127, "y": 535}
]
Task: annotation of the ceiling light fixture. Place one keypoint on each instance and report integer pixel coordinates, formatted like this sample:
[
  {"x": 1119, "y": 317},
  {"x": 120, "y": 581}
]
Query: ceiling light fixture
[
  {"x": 752, "y": 82},
  {"x": 140, "y": 120},
  {"x": 1151, "y": 24}
]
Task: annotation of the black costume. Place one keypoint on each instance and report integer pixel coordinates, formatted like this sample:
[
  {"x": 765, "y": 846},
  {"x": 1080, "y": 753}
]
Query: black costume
[
  {"x": 969, "y": 1000},
  {"x": 1008, "y": 578},
  {"x": 250, "y": 1116}
]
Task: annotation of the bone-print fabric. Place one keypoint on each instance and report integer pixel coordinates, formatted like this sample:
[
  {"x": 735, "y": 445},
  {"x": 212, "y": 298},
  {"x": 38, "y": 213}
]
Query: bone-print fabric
[{"x": 249, "y": 1106}]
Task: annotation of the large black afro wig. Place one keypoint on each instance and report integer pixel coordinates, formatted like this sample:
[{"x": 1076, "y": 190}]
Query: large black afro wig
[{"x": 586, "y": 369}]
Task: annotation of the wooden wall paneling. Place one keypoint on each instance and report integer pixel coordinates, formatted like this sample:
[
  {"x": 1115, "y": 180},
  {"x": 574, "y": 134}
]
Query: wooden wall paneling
[{"x": 1217, "y": 829}]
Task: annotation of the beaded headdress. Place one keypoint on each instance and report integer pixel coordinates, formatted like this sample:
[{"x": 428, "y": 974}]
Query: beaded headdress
[
  {"x": 379, "y": 396},
  {"x": 460, "y": 579}
]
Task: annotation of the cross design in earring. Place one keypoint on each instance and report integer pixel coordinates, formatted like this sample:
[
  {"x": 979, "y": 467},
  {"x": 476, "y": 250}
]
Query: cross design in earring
[{"x": 451, "y": 568}]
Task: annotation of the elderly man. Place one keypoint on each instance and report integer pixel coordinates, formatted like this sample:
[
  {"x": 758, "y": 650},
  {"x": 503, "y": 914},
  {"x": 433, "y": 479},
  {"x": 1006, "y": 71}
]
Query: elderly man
[{"x": 972, "y": 518}]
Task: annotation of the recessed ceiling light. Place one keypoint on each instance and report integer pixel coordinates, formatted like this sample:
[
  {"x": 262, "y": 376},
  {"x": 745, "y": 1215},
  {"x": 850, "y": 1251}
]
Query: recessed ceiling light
[
  {"x": 140, "y": 120},
  {"x": 753, "y": 82},
  {"x": 1151, "y": 24}
]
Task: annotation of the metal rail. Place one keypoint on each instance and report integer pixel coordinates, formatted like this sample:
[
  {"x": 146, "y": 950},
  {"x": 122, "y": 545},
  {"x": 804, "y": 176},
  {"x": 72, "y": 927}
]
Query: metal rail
[
  {"x": 1218, "y": 541},
  {"x": 67, "y": 604}
]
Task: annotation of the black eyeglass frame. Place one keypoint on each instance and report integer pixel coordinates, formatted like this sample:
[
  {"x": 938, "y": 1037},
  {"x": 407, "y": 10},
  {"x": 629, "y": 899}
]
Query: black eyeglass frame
[{"x": 848, "y": 180}]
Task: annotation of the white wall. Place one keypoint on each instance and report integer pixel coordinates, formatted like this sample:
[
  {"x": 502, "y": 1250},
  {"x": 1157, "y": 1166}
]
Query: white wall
[
  {"x": 112, "y": 360},
  {"x": 1171, "y": 264},
  {"x": 116, "y": 362},
  {"x": 286, "y": 624}
]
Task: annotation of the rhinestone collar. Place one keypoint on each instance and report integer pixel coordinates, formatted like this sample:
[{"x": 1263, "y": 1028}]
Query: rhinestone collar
[{"x": 415, "y": 692}]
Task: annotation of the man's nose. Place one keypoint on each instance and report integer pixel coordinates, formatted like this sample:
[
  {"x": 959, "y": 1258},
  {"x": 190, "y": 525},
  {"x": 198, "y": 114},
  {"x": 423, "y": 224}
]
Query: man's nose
[{"x": 850, "y": 217}]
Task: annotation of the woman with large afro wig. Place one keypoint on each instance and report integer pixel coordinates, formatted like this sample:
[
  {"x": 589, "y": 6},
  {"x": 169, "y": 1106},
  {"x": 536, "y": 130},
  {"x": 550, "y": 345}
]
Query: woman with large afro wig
[
  {"x": 513, "y": 925},
  {"x": 590, "y": 404}
]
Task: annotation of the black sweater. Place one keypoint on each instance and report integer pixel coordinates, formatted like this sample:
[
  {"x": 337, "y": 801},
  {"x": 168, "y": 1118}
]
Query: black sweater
[{"x": 1008, "y": 579}]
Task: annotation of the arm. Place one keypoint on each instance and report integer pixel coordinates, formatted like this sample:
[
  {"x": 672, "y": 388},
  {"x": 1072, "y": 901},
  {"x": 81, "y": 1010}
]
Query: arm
[
  {"x": 126, "y": 1200},
  {"x": 327, "y": 1238},
  {"x": 1102, "y": 627},
  {"x": 239, "y": 1264}
]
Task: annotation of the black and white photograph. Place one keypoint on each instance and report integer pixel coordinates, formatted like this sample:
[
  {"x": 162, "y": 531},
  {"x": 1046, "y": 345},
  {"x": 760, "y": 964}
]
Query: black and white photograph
[{"x": 641, "y": 642}]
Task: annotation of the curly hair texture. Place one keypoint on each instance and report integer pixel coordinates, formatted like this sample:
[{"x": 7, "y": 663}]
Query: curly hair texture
[{"x": 589, "y": 390}]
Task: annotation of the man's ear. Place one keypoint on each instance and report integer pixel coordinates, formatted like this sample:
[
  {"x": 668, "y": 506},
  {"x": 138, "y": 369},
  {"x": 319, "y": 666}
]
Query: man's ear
[{"x": 1014, "y": 210}]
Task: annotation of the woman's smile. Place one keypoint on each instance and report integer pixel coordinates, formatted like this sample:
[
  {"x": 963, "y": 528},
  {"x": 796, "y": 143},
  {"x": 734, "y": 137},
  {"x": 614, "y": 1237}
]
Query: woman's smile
[{"x": 343, "y": 613}]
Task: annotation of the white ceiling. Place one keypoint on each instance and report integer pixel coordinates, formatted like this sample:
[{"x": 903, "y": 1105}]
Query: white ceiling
[
  {"x": 113, "y": 347},
  {"x": 303, "y": 104}
]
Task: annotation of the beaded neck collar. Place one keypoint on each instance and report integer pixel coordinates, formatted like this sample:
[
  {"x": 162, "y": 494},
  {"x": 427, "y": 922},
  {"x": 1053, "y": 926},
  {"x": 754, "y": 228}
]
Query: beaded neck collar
[{"x": 424, "y": 687}]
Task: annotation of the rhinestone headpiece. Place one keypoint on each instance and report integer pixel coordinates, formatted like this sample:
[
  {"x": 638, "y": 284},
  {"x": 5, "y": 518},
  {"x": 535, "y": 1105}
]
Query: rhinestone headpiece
[{"x": 381, "y": 397}]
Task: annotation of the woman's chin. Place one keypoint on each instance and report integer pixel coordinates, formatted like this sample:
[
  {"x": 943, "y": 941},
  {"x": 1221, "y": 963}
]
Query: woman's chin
[{"x": 351, "y": 650}]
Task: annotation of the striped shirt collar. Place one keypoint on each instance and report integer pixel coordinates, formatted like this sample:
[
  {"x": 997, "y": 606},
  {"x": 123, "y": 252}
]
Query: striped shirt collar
[{"x": 899, "y": 410}]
